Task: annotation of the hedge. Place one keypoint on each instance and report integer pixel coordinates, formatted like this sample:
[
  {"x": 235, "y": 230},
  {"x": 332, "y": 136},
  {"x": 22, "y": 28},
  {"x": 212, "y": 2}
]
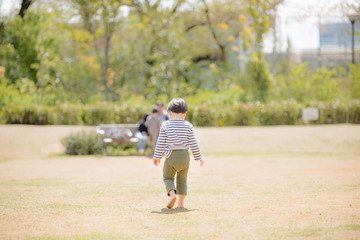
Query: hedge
[
  {"x": 237, "y": 114},
  {"x": 273, "y": 113},
  {"x": 71, "y": 114}
]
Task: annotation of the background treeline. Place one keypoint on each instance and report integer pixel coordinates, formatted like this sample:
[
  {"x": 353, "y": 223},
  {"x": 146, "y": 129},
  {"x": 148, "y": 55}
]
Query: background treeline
[{"x": 87, "y": 62}]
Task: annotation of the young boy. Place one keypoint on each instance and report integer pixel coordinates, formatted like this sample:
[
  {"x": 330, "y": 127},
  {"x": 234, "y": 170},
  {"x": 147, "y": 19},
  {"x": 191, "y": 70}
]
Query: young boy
[{"x": 175, "y": 138}]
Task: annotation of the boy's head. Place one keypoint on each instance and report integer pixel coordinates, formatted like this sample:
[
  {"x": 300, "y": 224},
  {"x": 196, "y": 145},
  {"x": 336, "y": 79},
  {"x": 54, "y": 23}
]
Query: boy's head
[{"x": 177, "y": 105}]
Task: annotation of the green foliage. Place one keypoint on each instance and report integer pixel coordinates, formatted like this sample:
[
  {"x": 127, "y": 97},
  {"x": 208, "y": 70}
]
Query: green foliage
[
  {"x": 273, "y": 113},
  {"x": 257, "y": 72},
  {"x": 29, "y": 49},
  {"x": 208, "y": 113},
  {"x": 125, "y": 149},
  {"x": 73, "y": 114},
  {"x": 17, "y": 48},
  {"x": 228, "y": 94},
  {"x": 111, "y": 113},
  {"x": 303, "y": 84},
  {"x": 66, "y": 114},
  {"x": 8, "y": 93},
  {"x": 83, "y": 143},
  {"x": 337, "y": 112},
  {"x": 25, "y": 114},
  {"x": 153, "y": 53},
  {"x": 354, "y": 77},
  {"x": 89, "y": 143}
]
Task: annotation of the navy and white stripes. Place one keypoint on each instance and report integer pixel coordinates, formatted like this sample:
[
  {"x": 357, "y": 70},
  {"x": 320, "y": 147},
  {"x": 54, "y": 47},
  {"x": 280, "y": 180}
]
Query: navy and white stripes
[{"x": 176, "y": 135}]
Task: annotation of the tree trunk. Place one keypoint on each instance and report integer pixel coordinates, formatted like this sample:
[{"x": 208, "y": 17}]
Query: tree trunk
[
  {"x": 213, "y": 34},
  {"x": 275, "y": 40},
  {"x": 106, "y": 68},
  {"x": 287, "y": 76},
  {"x": 25, "y": 4}
]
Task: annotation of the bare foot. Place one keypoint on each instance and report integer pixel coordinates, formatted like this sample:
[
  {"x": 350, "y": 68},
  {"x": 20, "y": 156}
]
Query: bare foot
[
  {"x": 181, "y": 201},
  {"x": 172, "y": 201}
]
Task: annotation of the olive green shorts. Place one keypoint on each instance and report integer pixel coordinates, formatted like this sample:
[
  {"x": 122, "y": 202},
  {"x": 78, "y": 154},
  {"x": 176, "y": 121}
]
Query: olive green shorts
[{"x": 177, "y": 164}]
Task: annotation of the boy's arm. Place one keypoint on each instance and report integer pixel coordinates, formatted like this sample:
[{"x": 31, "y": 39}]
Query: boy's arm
[
  {"x": 195, "y": 146},
  {"x": 160, "y": 146}
]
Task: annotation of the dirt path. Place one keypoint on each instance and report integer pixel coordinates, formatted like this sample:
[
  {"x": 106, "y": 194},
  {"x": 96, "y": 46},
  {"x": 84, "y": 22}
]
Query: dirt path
[{"x": 258, "y": 183}]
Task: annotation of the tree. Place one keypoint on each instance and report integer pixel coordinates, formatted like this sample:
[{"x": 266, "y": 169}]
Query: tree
[
  {"x": 101, "y": 18},
  {"x": 260, "y": 11},
  {"x": 28, "y": 49},
  {"x": 222, "y": 23},
  {"x": 162, "y": 42}
]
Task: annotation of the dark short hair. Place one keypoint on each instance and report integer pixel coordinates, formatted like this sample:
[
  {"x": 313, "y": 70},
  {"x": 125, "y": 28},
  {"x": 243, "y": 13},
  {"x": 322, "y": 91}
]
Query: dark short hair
[
  {"x": 154, "y": 110},
  {"x": 177, "y": 105}
]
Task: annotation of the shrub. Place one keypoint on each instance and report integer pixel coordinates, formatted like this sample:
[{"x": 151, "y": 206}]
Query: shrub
[
  {"x": 283, "y": 113},
  {"x": 82, "y": 143},
  {"x": 273, "y": 113},
  {"x": 111, "y": 113},
  {"x": 25, "y": 114},
  {"x": 125, "y": 149},
  {"x": 67, "y": 114},
  {"x": 128, "y": 113},
  {"x": 203, "y": 115},
  {"x": 96, "y": 114},
  {"x": 353, "y": 111}
]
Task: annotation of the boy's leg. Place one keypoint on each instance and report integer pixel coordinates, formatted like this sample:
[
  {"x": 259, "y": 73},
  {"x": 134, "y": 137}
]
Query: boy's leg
[
  {"x": 168, "y": 177},
  {"x": 172, "y": 199},
  {"x": 181, "y": 181},
  {"x": 168, "y": 174},
  {"x": 181, "y": 184},
  {"x": 181, "y": 201}
]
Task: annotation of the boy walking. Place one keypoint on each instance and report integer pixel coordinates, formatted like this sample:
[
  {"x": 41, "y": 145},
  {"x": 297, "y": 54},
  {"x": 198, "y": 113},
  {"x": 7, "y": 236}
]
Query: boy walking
[{"x": 175, "y": 139}]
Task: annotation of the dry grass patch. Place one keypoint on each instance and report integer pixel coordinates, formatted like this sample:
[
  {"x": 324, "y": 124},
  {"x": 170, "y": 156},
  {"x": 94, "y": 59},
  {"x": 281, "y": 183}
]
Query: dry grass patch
[{"x": 264, "y": 183}]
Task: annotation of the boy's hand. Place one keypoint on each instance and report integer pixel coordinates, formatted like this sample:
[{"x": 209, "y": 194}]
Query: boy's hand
[
  {"x": 156, "y": 162},
  {"x": 201, "y": 162}
]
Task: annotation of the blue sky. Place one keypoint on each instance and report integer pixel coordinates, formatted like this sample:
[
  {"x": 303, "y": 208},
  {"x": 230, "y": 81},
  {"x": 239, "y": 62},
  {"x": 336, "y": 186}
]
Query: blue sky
[{"x": 298, "y": 20}]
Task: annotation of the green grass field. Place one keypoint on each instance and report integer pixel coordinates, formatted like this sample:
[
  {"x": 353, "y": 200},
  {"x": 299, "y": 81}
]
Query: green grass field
[{"x": 282, "y": 182}]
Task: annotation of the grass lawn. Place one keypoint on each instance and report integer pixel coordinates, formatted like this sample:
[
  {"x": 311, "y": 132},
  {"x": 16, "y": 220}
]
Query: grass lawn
[{"x": 282, "y": 182}]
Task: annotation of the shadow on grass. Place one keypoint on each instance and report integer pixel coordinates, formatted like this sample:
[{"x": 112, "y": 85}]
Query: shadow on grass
[{"x": 174, "y": 210}]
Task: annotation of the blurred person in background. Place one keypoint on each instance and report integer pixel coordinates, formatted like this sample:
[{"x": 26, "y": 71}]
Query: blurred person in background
[
  {"x": 163, "y": 114},
  {"x": 142, "y": 135},
  {"x": 153, "y": 125}
]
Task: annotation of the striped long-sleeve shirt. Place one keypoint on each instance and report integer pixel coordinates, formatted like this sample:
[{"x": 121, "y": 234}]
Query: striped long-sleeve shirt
[{"x": 176, "y": 135}]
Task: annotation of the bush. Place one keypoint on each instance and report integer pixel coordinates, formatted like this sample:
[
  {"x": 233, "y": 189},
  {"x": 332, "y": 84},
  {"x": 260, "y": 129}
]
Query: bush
[
  {"x": 67, "y": 114},
  {"x": 125, "y": 149},
  {"x": 99, "y": 113},
  {"x": 203, "y": 115},
  {"x": 25, "y": 114},
  {"x": 111, "y": 113},
  {"x": 83, "y": 143},
  {"x": 89, "y": 143},
  {"x": 273, "y": 113}
]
